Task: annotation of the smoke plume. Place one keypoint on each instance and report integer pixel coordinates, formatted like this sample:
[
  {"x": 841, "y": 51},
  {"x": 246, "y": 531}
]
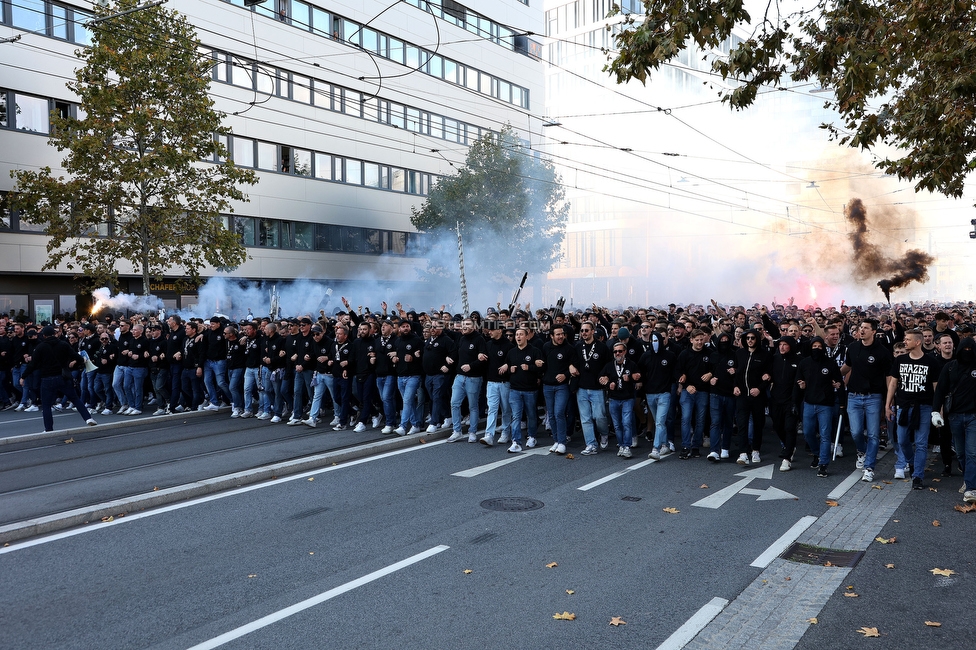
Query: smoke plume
[{"x": 870, "y": 260}]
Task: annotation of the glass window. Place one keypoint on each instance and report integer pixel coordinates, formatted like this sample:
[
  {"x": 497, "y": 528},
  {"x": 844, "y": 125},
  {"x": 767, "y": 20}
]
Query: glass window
[
  {"x": 323, "y": 237},
  {"x": 396, "y": 115},
  {"x": 220, "y": 67},
  {"x": 450, "y": 129},
  {"x": 268, "y": 233},
  {"x": 267, "y": 156},
  {"x": 243, "y": 152},
  {"x": 304, "y": 237},
  {"x": 370, "y": 40},
  {"x": 286, "y": 229},
  {"x": 224, "y": 141},
  {"x": 32, "y": 114},
  {"x": 413, "y": 57},
  {"x": 67, "y": 305},
  {"x": 322, "y": 94},
  {"x": 371, "y": 241},
  {"x": 303, "y": 162},
  {"x": 384, "y": 177},
  {"x": 321, "y": 22},
  {"x": 244, "y": 226},
  {"x": 398, "y": 180},
  {"x": 354, "y": 171},
  {"x": 471, "y": 78},
  {"x": 300, "y": 14},
  {"x": 436, "y": 66},
  {"x": 504, "y": 91},
  {"x": 281, "y": 84},
  {"x": 398, "y": 243},
  {"x": 371, "y": 110},
  {"x": 351, "y": 32},
  {"x": 437, "y": 126},
  {"x": 28, "y": 14},
  {"x": 396, "y": 50},
  {"x": 242, "y": 74},
  {"x": 371, "y": 175},
  {"x": 351, "y": 238},
  {"x": 338, "y": 169},
  {"x": 411, "y": 184},
  {"x": 3, "y": 107},
  {"x": 413, "y": 119},
  {"x": 338, "y": 99},
  {"x": 81, "y": 35},
  {"x": 266, "y": 79},
  {"x": 14, "y": 305},
  {"x": 59, "y": 22},
  {"x": 5, "y": 216},
  {"x": 323, "y": 166},
  {"x": 285, "y": 160},
  {"x": 450, "y": 71},
  {"x": 301, "y": 89}
]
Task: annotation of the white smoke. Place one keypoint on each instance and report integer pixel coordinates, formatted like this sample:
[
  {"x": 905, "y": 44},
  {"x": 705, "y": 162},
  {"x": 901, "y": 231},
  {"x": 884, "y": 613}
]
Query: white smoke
[{"x": 102, "y": 299}]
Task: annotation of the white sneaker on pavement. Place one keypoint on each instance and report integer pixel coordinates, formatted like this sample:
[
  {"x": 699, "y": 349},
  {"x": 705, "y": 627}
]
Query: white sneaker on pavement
[
  {"x": 515, "y": 448},
  {"x": 360, "y": 427},
  {"x": 530, "y": 443},
  {"x": 488, "y": 441},
  {"x": 457, "y": 435},
  {"x": 755, "y": 458},
  {"x": 743, "y": 459}
]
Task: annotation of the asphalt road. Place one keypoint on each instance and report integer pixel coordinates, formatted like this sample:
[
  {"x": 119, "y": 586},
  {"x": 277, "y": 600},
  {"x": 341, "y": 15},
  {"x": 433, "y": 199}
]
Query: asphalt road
[{"x": 397, "y": 550}]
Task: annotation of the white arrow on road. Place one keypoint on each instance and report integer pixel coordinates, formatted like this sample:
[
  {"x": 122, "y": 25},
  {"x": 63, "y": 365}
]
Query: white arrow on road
[{"x": 718, "y": 499}]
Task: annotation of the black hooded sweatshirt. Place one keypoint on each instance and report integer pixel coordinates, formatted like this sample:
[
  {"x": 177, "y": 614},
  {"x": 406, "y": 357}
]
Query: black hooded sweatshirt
[
  {"x": 723, "y": 360},
  {"x": 657, "y": 369},
  {"x": 819, "y": 372},
  {"x": 784, "y": 371},
  {"x": 958, "y": 379}
]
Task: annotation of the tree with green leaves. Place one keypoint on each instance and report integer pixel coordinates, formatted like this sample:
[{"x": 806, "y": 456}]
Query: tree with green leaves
[
  {"x": 902, "y": 72},
  {"x": 141, "y": 186},
  {"x": 510, "y": 204}
]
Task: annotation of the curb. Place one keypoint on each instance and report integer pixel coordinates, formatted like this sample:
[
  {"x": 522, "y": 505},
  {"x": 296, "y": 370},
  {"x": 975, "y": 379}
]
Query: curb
[
  {"x": 60, "y": 433},
  {"x": 53, "y": 523}
]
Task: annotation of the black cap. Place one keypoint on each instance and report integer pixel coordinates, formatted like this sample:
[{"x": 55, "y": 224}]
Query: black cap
[{"x": 48, "y": 331}]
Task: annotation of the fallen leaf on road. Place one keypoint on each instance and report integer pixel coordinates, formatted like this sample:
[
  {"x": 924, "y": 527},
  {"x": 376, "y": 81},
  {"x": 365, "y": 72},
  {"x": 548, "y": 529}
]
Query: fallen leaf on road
[
  {"x": 155, "y": 489},
  {"x": 877, "y": 487},
  {"x": 788, "y": 578},
  {"x": 936, "y": 480},
  {"x": 889, "y": 566},
  {"x": 813, "y": 620},
  {"x": 933, "y": 624},
  {"x": 832, "y": 503},
  {"x": 570, "y": 592},
  {"x": 964, "y": 509},
  {"x": 69, "y": 441},
  {"x": 109, "y": 518},
  {"x": 671, "y": 511},
  {"x": 617, "y": 621},
  {"x": 896, "y": 520},
  {"x": 704, "y": 486},
  {"x": 467, "y": 571},
  {"x": 551, "y": 565},
  {"x": 936, "y": 523},
  {"x": 252, "y": 575},
  {"x": 311, "y": 552},
  {"x": 829, "y": 563},
  {"x": 850, "y": 594},
  {"x": 869, "y": 632},
  {"x": 889, "y": 540},
  {"x": 931, "y": 489},
  {"x": 943, "y": 572},
  {"x": 887, "y": 482},
  {"x": 423, "y": 441},
  {"x": 565, "y": 616},
  {"x": 311, "y": 478},
  {"x": 570, "y": 457},
  {"x": 849, "y": 587}
]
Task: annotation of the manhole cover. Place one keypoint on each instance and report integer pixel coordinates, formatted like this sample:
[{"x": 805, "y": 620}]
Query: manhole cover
[
  {"x": 512, "y": 504},
  {"x": 807, "y": 554}
]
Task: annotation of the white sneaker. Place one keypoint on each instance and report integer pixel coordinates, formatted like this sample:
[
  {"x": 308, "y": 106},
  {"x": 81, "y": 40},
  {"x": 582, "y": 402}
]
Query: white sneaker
[
  {"x": 122, "y": 409},
  {"x": 860, "y": 461},
  {"x": 311, "y": 422},
  {"x": 387, "y": 429},
  {"x": 666, "y": 451},
  {"x": 515, "y": 448},
  {"x": 457, "y": 435},
  {"x": 31, "y": 409},
  {"x": 472, "y": 436},
  {"x": 179, "y": 408},
  {"x": 969, "y": 496},
  {"x": 400, "y": 431},
  {"x": 900, "y": 473},
  {"x": 235, "y": 413},
  {"x": 293, "y": 421},
  {"x": 159, "y": 412},
  {"x": 590, "y": 450},
  {"x": 743, "y": 459},
  {"x": 334, "y": 422},
  {"x": 552, "y": 449},
  {"x": 211, "y": 407},
  {"x": 134, "y": 412},
  {"x": 633, "y": 444},
  {"x": 530, "y": 443},
  {"x": 58, "y": 407},
  {"x": 377, "y": 420},
  {"x": 431, "y": 429},
  {"x": 755, "y": 458},
  {"x": 868, "y": 475},
  {"x": 724, "y": 456},
  {"x": 713, "y": 456},
  {"x": 107, "y": 412},
  {"x": 560, "y": 448},
  {"x": 20, "y": 407},
  {"x": 488, "y": 441},
  {"x": 785, "y": 466},
  {"x": 625, "y": 452},
  {"x": 839, "y": 451},
  {"x": 275, "y": 420},
  {"x": 360, "y": 427},
  {"x": 465, "y": 420},
  {"x": 448, "y": 423},
  {"x": 505, "y": 439},
  {"x": 604, "y": 441},
  {"x": 263, "y": 416},
  {"x": 414, "y": 430}
]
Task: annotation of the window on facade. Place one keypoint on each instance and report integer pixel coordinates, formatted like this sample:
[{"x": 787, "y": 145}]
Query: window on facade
[
  {"x": 28, "y": 14},
  {"x": 59, "y": 22},
  {"x": 265, "y": 78},
  {"x": 396, "y": 115},
  {"x": 268, "y": 233},
  {"x": 435, "y": 66},
  {"x": 321, "y": 22},
  {"x": 323, "y": 166},
  {"x": 371, "y": 241},
  {"x": 414, "y": 58},
  {"x": 338, "y": 169},
  {"x": 396, "y": 50},
  {"x": 351, "y": 32},
  {"x": 304, "y": 236},
  {"x": 351, "y": 238},
  {"x": 371, "y": 175},
  {"x": 450, "y": 71},
  {"x": 302, "y": 160},
  {"x": 398, "y": 243},
  {"x": 242, "y": 74},
  {"x": 301, "y": 89},
  {"x": 354, "y": 172},
  {"x": 244, "y": 226},
  {"x": 3, "y": 108},
  {"x": 32, "y": 114},
  {"x": 299, "y": 12},
  {"x": 267, "y": 156},
  {"x": 243, "y": 152},
  {"x": 397, "y": 179}
]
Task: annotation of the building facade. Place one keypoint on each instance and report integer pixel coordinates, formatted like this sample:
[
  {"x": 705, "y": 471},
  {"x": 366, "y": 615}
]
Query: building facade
[{"x": 348, "y": 111}]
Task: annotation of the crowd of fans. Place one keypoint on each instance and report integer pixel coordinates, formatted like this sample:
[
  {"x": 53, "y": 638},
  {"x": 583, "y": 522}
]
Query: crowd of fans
[{"x": 681, "y": 379}]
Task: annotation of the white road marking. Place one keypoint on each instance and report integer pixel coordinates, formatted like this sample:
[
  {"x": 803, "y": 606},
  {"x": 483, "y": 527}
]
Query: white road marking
[
  {"x": 785, "y": 540},
  {"x": 315, "y": 600},
  {"x": 769, "y": 494},
  {"x": 481, "y": 469},
  {"x": 615, "y": 475},
  {"x": 212, "y": 497},
  {"x": 759, "y": 472},
  {"x": 845, "y": 485},
  {"x": 718, "y": 499},
  {"x": 694, "y": 625}
]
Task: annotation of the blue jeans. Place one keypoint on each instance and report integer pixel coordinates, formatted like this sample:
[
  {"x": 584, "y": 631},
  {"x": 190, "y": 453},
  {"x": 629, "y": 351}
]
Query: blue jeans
[
  {"x": 693, "y": 405},
  {"x": 469, "y": 387},
  {"x": 103, "y": 389},
  {"x": 593, "y": 414},
  {"x": 216, "y": 371},
  {"x": 914, "y": 451},
  {"x": 235, "y": 381},
  {"x": 963, "y": 427},
  {"x": 176, "y": 385},
  {"x": 557, "y": 401},
  {"x": 658, "y": 406},
  {"x": 87, "y": 387},
  {"x": 365, "y": 388},
  {"x": 118, "y": 385},
  {"x": 622, "y": 414},
  {"x": 252, "y": 387},
  {"x": 192, "y": 388},
  {"x": 302, "y": 383},
  {"x": 323, "y": 382},
  {"x": 499, "y": 403},
  {"x": 341, "y": 393},
  {"x": 15, "y": 374},
  {"x": 272, "y": 387},
  {"x": 135, "y": 384},
  {"x": 409, "y": 387},
  {"x": 523, "y": 403},
  {"x": 723, "y": 415},
  {"x": 817, "y": 419},
  {"x": 387, "y": 386},
  {"x": 864, "y": 412},
  {"x": 435, "y": 388},
  {"x": 50, "y": 387}
]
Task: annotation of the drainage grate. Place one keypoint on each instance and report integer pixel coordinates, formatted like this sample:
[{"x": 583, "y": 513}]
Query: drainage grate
[
  {"x": 512, "y": 504},
  {"x": 807, "y": 554},
  {"x": 630, "y": 498}
]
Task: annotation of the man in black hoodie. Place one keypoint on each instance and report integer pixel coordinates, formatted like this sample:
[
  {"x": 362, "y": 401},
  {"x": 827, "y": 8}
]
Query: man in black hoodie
[
  {"x": 955, "y": 398},
  {"x": 782, "y": 399},
  {"x": 722, "y": 402},
  {"x": 752, "y": 367},
  {"x": 657, "y": 368},
  {"x": 819, "y": 378},
  {"x": 50, "y": 359}
]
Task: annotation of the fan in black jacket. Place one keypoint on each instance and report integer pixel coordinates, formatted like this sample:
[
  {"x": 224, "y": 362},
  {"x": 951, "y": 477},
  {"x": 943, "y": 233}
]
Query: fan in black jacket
[{"x": 50, "y": 360}]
